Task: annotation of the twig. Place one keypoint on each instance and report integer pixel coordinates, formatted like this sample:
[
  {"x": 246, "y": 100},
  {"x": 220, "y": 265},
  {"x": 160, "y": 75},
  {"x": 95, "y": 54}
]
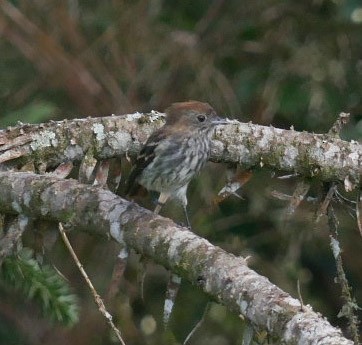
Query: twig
[
  {"x": 300, "y": 296},
  {"x": 98, "y": 300},
  {"x": 173, "y": 285},
  {"x": 117, "y": 275},
  {"x": 285, "y": 177},
  {"x": 342, "y": 120},
  {"x": 323, "y": 207},
  {"x": 141, "y": 275},
  {"x": 248, "y": 333},
  {"x": 298, "y": 196},
  {"x": 358, "y": 212},
  {"x": 14, "y": 232},
  {"x": 198, "y": 325},
  {"x": 349, "y": 307},
  {"x": 343, "y": 198}
]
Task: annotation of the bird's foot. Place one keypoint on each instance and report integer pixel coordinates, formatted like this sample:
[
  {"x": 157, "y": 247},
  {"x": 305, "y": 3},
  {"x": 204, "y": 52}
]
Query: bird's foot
[{"x": 184, "y": 225}]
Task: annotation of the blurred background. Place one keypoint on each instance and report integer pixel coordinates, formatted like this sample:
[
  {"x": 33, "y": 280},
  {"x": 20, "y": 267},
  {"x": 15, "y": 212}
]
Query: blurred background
[{"x": 285, "y": 63}]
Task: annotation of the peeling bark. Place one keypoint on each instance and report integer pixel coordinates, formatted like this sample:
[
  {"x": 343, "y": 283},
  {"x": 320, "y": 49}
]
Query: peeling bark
[{"x": 319, "y": 156}]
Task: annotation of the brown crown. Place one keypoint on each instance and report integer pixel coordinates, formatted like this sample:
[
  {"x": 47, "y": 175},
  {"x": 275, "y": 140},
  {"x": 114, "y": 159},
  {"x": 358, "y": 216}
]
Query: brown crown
[{"x": 176, "y": 110}]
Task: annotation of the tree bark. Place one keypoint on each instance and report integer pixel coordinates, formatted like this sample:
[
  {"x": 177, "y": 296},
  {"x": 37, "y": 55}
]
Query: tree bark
[
  {"x": 226, "y": 278},
  {"x": 321, "y": 156}
]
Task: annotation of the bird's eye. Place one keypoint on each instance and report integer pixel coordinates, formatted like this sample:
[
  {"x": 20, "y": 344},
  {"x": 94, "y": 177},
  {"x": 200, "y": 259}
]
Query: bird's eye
[{"x": 201, "y": 118}]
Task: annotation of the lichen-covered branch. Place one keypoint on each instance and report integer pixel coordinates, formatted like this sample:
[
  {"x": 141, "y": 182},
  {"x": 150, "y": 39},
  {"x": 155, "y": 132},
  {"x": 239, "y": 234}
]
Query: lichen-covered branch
[
  {"x": 225, "y": 277},
  {"x": 56, "y": 142},
  {"x": 320, "y": 156},
  {"x": 14, "y": 232}
]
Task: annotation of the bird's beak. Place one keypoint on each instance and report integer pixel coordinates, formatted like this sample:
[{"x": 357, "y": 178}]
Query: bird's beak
[{"x": 219, "y": 121}]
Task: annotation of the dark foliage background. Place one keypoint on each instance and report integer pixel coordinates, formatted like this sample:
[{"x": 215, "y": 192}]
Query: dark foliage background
[{"x": 285, "y": 63}]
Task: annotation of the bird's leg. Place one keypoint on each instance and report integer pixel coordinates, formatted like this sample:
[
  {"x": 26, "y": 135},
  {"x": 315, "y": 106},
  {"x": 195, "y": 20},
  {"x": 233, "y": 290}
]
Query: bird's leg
[
  {"x": 160, "y": 202},
  {"x": 186, "y": 216},
  {"x": 181, "y": 195},
  {"x": 158, "y": 208}
]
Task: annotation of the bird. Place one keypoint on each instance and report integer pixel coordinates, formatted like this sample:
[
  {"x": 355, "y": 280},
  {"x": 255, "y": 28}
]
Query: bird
[{"x": 175, "y": 153}]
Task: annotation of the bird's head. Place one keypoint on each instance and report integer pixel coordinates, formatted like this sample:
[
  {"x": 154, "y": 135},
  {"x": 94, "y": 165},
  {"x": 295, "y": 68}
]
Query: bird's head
[{"x": 192, "y": 114}]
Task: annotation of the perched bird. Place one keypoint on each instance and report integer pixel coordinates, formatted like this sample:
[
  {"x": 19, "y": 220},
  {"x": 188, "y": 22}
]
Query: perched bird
[{"x": 176, "y": 152}]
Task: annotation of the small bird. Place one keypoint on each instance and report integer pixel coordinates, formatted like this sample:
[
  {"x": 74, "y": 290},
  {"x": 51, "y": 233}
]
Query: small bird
[{"x": 175, "y": 153}]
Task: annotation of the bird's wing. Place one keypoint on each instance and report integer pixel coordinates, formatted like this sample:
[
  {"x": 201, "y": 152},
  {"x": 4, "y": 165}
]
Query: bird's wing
[{"x": 144, "y": 158}]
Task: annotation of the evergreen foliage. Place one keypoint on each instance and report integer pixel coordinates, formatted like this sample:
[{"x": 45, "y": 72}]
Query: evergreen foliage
[{"x": 43, "y": 284}]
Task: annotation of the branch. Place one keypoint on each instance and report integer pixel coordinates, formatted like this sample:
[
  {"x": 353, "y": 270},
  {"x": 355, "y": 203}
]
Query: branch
[
  {"x": 321, "y": 156},
  {"x": 97, "y": 298},
  {"x": 14, "y": 232},
  {"x": 226, "y": 278}
]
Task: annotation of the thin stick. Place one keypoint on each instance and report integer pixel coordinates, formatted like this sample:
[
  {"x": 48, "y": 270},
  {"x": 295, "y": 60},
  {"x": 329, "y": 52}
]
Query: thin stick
[
  {"x": 358, "y": 212},
  {"x": 199, "y": 324},
  {"x": 97, "y": 299},
  {"x": 300, "y": 296},
  {"x": 350, "y": 307}
]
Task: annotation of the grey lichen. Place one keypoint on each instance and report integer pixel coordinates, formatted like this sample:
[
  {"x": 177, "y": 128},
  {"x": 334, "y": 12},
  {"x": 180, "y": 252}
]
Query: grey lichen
[
  {"x": 73, "y": 152},
  {"x": 120, "y": 140},
  {"x": 43, "y": 139},
  {"x": 98, "y": 130},
  {"x": 289, "y": 158}
]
